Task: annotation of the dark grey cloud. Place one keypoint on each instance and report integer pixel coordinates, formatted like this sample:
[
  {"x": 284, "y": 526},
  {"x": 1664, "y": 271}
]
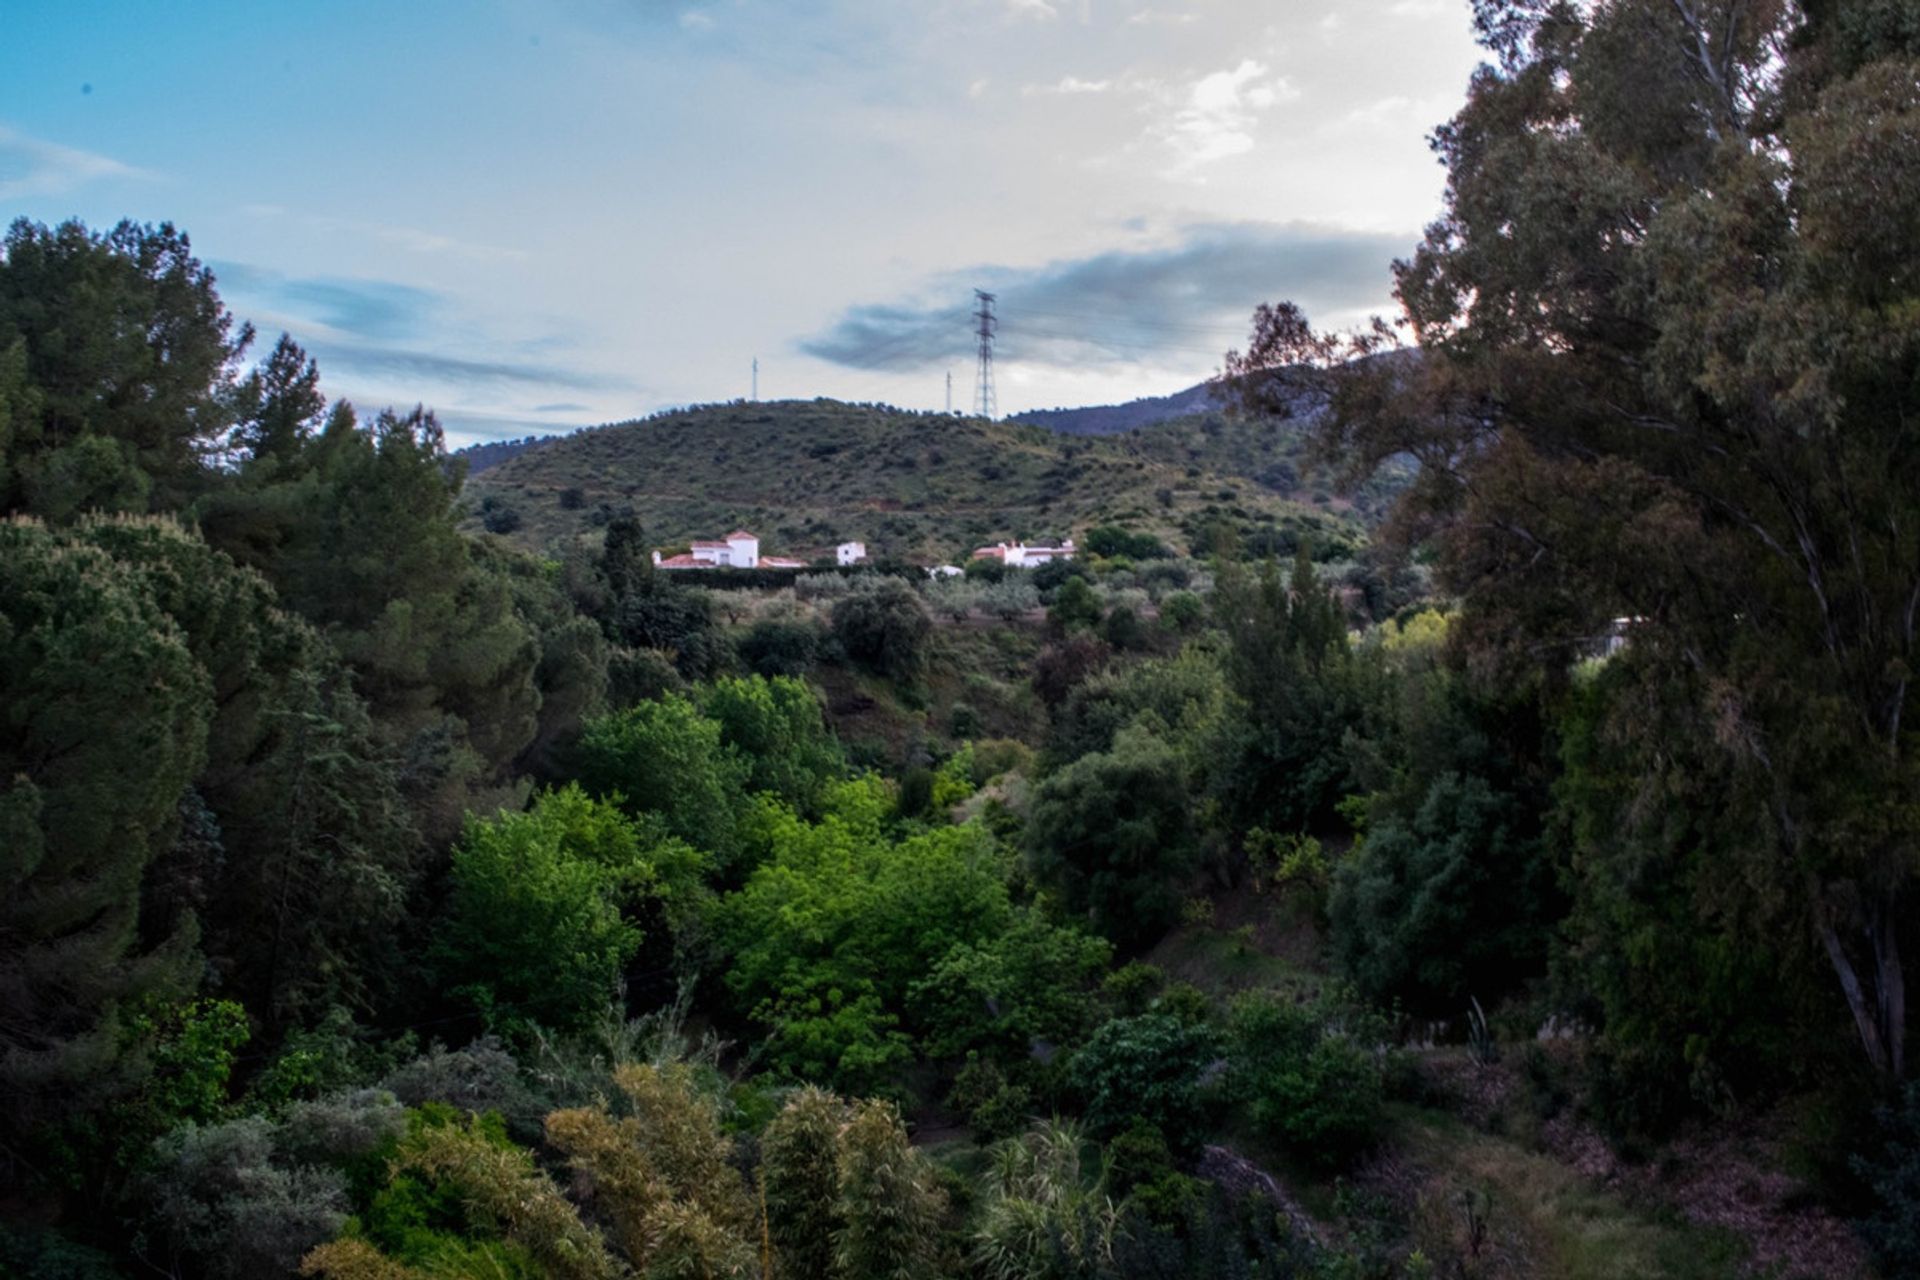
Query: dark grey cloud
[
  {"x": 375, "y": 309},
  {"x": 1190, "y": 300},
  {"x": 565, "y": 406},
  {"x": 433, "y": 366}
]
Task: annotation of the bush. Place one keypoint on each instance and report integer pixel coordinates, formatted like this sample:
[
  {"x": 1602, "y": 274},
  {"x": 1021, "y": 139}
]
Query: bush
[
  {"x": 1150, "y": 1069},
  {"x": 885, "y": 630},
  {"x": 1450, "y": 903},
  {"x": 665, "y": 757},
  {"x": 1892, "y": 1175},
  {"x": 1312, "y": 1075},
  {"x": 1112, "y": 833},
  {"x": 780, "y": 647},
  {"x": 1183, "y": 611},
  {"x": 1075, "y": 606},
  {"x": 534, "y": 932},
  {"x": 1064, "y": 666}
]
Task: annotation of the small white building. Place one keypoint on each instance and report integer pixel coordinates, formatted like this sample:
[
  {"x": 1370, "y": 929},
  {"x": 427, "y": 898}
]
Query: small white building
[
  {"x": 738, "y": 550},
  {"x": 850, "y": 552},
  {"x": 945, "y": 571},
  {"x": 1018, "y": 555}
]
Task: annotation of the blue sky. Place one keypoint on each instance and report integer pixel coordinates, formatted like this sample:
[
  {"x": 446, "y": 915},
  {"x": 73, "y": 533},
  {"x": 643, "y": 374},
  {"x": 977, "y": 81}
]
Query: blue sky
[{"x": 533, "y": 216}]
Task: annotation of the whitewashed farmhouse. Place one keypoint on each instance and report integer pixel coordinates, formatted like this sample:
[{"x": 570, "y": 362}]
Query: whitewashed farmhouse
[
  {"x": 738, "y": 550},
  {"x": 1018, "y": 555},
  {"x": 851, "y": 552}
]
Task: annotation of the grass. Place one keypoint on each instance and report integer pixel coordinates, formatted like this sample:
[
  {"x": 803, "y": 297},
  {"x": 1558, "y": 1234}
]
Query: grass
[
  {"x": 807, "y": 475},
  {"x": 1548, "y": 1217}
]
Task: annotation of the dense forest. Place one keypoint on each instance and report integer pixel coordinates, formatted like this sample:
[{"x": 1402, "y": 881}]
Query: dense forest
[{"x": 1522, "y": 890}]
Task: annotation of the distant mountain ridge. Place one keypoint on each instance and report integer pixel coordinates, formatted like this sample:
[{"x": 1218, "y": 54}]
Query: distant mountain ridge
[{"x": 1112, "y": 419}]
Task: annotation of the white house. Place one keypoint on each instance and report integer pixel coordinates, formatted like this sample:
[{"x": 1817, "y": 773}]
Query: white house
[
  {"x": 738, "y": 550},
  {"x": 1017, "y": 555},
  {"x": 851, "y": 552}
]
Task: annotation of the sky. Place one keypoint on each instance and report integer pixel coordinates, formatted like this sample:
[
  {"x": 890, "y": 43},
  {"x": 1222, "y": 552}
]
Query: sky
[{"x": 533, "y": 215}]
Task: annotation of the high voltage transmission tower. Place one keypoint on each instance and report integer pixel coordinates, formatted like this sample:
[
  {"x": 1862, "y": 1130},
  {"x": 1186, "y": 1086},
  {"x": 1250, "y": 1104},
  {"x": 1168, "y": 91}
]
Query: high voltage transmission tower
[{"x": 985, "y": 323}]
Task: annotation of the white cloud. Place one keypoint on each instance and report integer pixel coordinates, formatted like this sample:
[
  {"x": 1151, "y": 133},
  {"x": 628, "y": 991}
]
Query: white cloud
[
  {"x": 1423, "y": 8},
  {"x": 695, "y": 20},
  {"x": 1068, "y": 86},
  {"x": 1032, "y": 9},
  {"x": 1219, "y": 112},
  {"x": 31, "y": 167},
  {"x": 1160, "y": 17}
]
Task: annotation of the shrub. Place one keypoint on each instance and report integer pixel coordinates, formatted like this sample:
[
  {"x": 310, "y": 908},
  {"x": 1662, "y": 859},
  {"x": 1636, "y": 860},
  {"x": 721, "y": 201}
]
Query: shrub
[
  {"x": 1153, "y": 1069},
  {"x": 1075, "y": 606},
  {"x": 1183, "y": 611},
  {"x": 1112, "y": 833},
  {"x": 885, "y": 630},
  {"x": 1892, "y": 1175},
  {"x": 665, "y": 757},
  {"x": 1312, "y": 1075},
  {"x": 780, "y": 647}
]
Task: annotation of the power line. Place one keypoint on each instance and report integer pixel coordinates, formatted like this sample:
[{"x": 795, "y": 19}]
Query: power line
[{"x": 983, "y": 390}]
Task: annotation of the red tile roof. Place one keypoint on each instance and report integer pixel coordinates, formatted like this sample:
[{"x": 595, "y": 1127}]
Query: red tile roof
[{"x": 741, "y": 533}]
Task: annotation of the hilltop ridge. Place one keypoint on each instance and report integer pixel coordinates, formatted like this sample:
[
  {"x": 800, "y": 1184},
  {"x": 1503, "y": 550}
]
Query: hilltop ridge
[{"x": 925, "y": 486}]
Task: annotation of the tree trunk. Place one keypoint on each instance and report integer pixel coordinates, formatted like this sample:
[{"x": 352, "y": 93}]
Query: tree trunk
[{"x": 1879, "y": 1006}]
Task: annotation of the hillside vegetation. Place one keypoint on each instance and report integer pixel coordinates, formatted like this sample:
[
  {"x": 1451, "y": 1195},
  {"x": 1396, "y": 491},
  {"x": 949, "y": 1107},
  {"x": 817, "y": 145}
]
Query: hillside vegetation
[{"x": 808, "y": 474}]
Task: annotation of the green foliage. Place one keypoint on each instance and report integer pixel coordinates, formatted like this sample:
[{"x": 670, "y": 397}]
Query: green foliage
[
  {"x": 800, "y": 1180},
  {"x": 1312, "y": 1075},
  {"x": 298, "y": 863},
  {"x": 994, "y": 1106},
  {"x": 1151, "y": 1068},
  {"x": 1183, "y": 611},
  {"x": 885, "y": 629},
  {"x": 1111, "y": 540},
  {"x": 105, "y": 725},
  {"x": 837, "y": 920},
  {"x": 534, "y": 932},
  {"x": 104, "y": 414},
  {"x": 359, "y": 538},
  {"x": 780, "y": 647},
  {"x": 891, "y": 1208},
  {"x": 1028, "y": 983},
  {"x": 1446, "y": 903},
  {"x": 665, "y": 757},
  {"x": 776, "y": 726},
  {"x": 1074, "y": 607},
  {"x": 1112, "y": 833},
  {"x": 1290, "y": 671}
]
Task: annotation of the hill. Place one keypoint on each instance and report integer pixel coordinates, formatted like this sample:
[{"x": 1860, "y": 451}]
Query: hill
[
  {"x": 1110, "y": 419},
  {"x": 808, "y": 474}
]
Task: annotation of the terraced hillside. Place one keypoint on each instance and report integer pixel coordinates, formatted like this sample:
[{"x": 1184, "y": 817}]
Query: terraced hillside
[{"x": 808, "y": 474}]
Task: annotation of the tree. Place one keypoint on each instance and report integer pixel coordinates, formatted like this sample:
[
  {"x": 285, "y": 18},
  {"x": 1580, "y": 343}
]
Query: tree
[
  {"x": 1112, "y": 833},
  {"x": 306, "y": 848},
  {"x": 1288, "y": 665},
  {"x": 800, "y": 1171},
  {"x": 778, "y": 729},
  {"x": 1151, "y": 1068},
  {"x": 534, "y": 932},
  {"x": 280, "y": 406},
  {"x": 1667, "y": 357},
  {"x": 130, "y": 357},
  {"x": 1075, "y": 607},
  {"x": 666, "y": 758},
  {"x": 886, "y": 629},
  {"x": 891, "y": 1208}
]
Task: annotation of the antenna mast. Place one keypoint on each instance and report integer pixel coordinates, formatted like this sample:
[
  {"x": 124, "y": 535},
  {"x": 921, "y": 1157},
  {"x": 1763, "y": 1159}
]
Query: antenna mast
[
  {"x": 985, "y": 323},
  {"x": 949, "y": 391},
  {"x": 756, "y": 377}
]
